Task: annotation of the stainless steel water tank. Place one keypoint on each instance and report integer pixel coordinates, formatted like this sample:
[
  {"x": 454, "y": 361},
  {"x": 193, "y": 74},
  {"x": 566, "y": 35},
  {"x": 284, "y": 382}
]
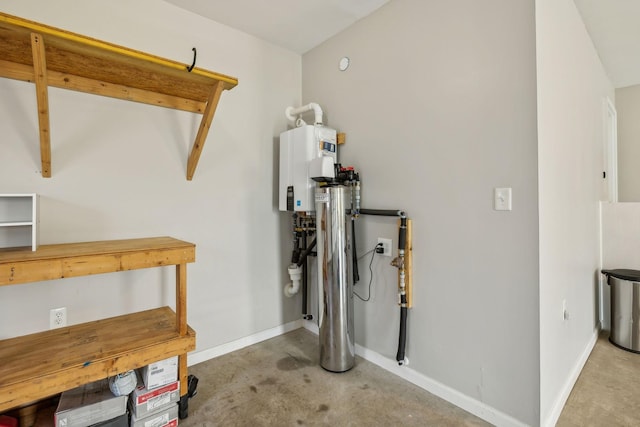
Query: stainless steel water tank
[
  {"x": 625, "y": 308},
  {"x": 335, "y": 280}
]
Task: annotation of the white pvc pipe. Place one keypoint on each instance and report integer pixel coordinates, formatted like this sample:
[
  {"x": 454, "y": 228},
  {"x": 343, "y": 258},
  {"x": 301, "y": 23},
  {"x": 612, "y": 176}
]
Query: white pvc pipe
[
  {"x": 295, "y": 272},
  {"x": 291, "y": 112},
  {"x": 290, "y": 289}
]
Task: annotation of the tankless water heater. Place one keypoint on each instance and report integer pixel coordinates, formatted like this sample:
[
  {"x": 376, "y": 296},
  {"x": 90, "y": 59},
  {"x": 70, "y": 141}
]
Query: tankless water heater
[{"x": 307, "y": 153}]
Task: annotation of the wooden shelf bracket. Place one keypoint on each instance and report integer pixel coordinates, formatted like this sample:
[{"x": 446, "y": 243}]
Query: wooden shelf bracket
[
  {"x": 42, "y": 95},
  {"x": 203, "y": 130}
]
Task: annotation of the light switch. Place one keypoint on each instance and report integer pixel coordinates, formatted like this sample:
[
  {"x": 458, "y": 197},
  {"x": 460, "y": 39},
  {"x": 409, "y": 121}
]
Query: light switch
[{"x": 502, "y": 199}]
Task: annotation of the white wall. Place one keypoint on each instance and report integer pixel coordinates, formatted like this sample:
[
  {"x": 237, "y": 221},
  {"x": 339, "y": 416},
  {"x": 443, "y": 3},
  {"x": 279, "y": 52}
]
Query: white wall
[
  {"x": 620, "y": 245},
  {"x": 621, "y": 235},
  {"x": 119, "y": 172},
  {"x": 628, "y": 108},
  {"x": 439, "y": 107},
  {"x": 572, "y": 86}
]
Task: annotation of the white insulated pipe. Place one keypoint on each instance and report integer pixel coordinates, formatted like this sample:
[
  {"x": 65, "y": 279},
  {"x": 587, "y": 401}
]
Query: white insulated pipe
[{"x": 291, "y": 112}]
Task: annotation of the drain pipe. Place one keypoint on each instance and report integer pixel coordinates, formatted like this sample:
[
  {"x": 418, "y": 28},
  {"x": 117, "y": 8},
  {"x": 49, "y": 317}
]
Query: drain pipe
[
  {"x": 295, "y": 272},
  {"x": 291, "y": 113}
]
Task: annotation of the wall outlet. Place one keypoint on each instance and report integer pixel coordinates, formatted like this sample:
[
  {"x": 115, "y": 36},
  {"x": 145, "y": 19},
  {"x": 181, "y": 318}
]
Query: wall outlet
[
  {"x": 386, "y": 245},
  {"x": 57, "y": 317}
]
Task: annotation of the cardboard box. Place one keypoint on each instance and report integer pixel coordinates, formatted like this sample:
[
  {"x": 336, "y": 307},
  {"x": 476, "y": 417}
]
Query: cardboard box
[
  {"x": 143, "y": 401},
  {"x": 6, "y": 421},
  {"x": 89, "y": 404},
  {"x": 160, "y": 373},
  {"x": 167, "y": 417},
  {"x": 121, "y": 421}
]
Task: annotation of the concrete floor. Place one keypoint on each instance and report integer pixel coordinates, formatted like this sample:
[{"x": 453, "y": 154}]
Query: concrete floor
[
  {"x": 278, "y": 382},
  {"x": 607, "y": 392}
]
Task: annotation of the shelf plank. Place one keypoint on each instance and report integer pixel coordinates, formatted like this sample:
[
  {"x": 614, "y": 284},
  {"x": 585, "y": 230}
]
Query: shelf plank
[
  {"x": 43, "y": 364},
  {"x": 60, "y": 80},
  {"x": 59, "y": 261}
]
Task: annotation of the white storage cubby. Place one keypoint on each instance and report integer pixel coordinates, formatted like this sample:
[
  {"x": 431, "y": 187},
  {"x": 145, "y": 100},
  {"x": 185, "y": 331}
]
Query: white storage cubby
[{"x": 19, "y": 221}]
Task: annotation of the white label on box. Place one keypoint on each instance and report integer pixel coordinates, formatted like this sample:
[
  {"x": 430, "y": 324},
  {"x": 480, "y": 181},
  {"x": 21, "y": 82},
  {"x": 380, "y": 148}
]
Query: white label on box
[
  {"x": 157, "y": 421},
  {"x": 158, "y": 401},
  {"x": 157, "y": 374}
]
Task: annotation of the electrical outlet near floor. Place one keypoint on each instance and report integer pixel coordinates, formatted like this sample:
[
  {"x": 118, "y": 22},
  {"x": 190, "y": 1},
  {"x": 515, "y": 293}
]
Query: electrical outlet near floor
[
  {"x": 57, "y": 317},
  {"x": 386, "y": 245}
]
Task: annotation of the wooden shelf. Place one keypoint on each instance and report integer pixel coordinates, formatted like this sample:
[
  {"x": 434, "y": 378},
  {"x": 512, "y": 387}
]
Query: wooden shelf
[
  {"x": 49, "y": 56},
  {"x": 39, "y": 365},
  {"x": 42, "y": 364},
  {"x": 51, "y": 262}
]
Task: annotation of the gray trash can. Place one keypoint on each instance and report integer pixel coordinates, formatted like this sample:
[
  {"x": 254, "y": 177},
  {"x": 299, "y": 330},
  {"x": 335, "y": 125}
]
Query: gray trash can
[{"x": 625, "y": 308}]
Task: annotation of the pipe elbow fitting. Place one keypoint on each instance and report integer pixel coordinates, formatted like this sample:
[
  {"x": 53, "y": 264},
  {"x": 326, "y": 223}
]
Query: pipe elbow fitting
[
  {"x": 291, "y": 289},
  {"x": 317, "y": 111},
  {"x": 291, "y": 112},
  {"x": 295, "y": 272}
]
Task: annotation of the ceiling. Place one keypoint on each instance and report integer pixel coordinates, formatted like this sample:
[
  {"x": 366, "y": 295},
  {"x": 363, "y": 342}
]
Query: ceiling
[
  {"x": 297, "y": 25},
  {"x": 614, "y": 28},
  {"x": 300, "y": 25}
]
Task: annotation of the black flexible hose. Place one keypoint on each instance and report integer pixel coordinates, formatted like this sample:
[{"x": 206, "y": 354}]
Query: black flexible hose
[
  {"x": 304, "y": 276},
  {"x": 306, "y": 253},
  {"x": 382, "y": 212},
  {"x": 354, "y": 253},
  {"x": 295, "y": 255},
  {"x": 402, "y": 337},
  {"x": 402, "y": 234}
]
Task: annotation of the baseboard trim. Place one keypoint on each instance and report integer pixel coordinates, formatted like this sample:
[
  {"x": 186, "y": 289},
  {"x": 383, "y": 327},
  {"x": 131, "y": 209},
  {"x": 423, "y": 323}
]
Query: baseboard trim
[
  {"x": 447, "y": 393},
  {"x": 561, "y": 400},
  {"x": 473, "y": 406},
  {"x": 210, "y": 353},
  {"x": 311, "y": 326}
]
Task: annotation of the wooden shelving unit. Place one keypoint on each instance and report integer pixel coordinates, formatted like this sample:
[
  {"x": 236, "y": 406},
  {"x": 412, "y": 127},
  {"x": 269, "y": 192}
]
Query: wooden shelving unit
[
  {"x": 39, "y": 365},
  {"x": 48, "y": 56}
]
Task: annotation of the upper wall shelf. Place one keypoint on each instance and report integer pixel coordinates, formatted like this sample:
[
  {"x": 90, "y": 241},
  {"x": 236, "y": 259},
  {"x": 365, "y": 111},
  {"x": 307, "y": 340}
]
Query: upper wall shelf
[{"x": 49, "y": 56}]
